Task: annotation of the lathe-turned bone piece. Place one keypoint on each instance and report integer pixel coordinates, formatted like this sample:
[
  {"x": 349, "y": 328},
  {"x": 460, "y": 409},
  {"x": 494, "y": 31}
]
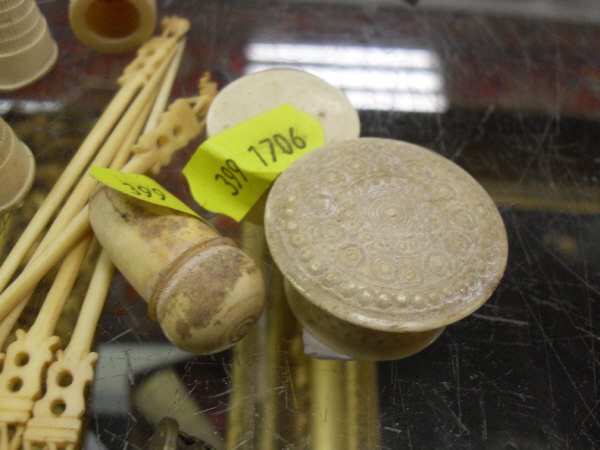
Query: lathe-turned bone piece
[
  {"x": 382, "y": 243},
  {"x": 203, "y": 290}
]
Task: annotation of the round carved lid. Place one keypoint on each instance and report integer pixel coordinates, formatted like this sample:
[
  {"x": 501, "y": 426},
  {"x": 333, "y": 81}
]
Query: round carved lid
[{"x": 386, "y": 234}]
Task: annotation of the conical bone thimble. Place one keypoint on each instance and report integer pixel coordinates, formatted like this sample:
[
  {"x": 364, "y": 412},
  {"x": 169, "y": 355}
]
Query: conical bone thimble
[
  {"x": 27, "y": 49},
  {"x": 17, "y": 169}
]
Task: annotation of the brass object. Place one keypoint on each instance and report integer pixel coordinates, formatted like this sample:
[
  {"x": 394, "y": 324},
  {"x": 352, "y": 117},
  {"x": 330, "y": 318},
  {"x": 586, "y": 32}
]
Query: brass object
[{"x": 282, "y": 397}]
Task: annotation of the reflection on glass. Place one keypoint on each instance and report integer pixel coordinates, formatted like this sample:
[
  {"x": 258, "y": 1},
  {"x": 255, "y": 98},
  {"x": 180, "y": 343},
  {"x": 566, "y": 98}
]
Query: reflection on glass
[
  {"x": 373, "y": 78},
  {"x": 30, "y": 106},
  {"x": 341, "y": 55}
]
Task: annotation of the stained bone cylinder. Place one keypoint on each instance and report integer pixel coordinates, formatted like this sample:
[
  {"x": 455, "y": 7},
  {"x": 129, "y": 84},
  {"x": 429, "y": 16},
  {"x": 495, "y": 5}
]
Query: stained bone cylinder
[{"x": 203, "y": 290}]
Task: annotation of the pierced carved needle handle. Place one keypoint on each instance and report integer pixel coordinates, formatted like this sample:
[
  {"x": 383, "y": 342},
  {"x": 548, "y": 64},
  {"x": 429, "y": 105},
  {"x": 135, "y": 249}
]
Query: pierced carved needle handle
[
  {"x": 28, "y": 356},
  {"x": 57, "y": 415}
]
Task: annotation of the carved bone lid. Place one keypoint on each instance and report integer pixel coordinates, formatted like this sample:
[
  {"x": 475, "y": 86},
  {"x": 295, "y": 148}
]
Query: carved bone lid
[{"x": 386, "y": 235}]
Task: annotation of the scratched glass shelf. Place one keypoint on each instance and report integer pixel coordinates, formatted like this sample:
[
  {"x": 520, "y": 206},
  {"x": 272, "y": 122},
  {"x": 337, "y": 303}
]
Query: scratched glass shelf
[{"x": 511, "y": 98}]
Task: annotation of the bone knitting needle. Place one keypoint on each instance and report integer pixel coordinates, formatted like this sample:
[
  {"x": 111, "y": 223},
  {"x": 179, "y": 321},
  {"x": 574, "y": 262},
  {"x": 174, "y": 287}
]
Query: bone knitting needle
[
  {"x": 57, "y": 416},
  {"x": 8, "y": 322},
  {"x": 26, "y": 281},
  {"x": 135, "y": 75}
]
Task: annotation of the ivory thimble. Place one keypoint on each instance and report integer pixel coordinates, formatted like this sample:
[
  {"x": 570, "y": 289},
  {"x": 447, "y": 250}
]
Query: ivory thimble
[
  {"x": 27, "y": 49},
  {"x": 114, "y": 26},
  {"x": 17, "y": 21},
  {"x": 17, "y": 169}
]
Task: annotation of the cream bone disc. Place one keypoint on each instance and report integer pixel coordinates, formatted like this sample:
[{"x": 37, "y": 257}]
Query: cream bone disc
[
  {"x": 383, "y": 244},
  {"x": 259, "y": 92}
]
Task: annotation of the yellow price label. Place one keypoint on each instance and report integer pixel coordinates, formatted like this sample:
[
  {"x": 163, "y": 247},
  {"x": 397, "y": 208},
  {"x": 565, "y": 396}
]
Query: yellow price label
[
  {"x": 229, "y": 172},
  {"x": 140, "y": 186}
]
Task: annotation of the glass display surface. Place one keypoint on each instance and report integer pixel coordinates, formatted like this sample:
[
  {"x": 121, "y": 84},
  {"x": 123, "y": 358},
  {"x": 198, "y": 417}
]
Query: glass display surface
[{"x": 508, "y": 91}]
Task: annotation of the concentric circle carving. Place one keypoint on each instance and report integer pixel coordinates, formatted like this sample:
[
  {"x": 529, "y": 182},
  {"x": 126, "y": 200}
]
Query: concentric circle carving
[{"x": 393, "y": 236}]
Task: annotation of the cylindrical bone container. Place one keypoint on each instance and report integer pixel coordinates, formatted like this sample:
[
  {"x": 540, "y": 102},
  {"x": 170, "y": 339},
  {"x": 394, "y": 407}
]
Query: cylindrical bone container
[
  {"x": 382, "y": 244},
  {"x": 113, "y": 26}
]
